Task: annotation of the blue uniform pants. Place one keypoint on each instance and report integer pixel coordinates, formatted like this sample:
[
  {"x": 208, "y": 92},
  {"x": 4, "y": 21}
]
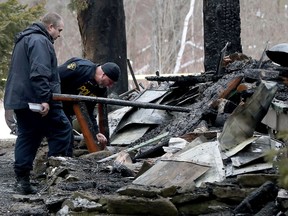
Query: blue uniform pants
[{"x": 32, "y": 128}]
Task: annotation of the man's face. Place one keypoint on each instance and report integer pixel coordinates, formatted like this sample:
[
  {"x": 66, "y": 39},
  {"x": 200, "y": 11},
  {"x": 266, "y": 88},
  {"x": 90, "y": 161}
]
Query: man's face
[
  {"x": 55, "y": 31},
  {"x": 105, "y": 81}
]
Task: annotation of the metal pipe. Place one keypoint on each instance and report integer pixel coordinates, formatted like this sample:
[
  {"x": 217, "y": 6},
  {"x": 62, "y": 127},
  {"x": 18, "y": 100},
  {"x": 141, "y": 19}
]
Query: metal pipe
[
  {"x": 133, "y": 75},
  {"x": 145, "y": 105},
  {"x": 92, "y": 144}
]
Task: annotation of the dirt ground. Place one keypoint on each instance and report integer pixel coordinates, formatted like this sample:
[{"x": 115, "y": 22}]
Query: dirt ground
[
  {"x": 7, "y": 177},
  {"x": 92, "y": 176}
]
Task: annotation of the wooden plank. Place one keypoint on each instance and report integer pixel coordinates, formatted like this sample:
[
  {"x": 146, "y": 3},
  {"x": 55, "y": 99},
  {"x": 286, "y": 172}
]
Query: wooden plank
[{"x": 171, "y": 173}]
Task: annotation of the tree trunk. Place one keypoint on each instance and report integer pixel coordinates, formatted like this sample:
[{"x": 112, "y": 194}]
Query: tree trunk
[
  {"x": 103, "y": 34},
  {"x": 102, "y": 29},
  {"x": 221, "y": 25}
]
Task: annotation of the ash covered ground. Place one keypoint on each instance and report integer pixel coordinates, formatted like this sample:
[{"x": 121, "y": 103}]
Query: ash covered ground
[{"x": 94, "y": 177}]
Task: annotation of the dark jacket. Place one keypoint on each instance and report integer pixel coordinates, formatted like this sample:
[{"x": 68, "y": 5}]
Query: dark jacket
[
  {"x": 77, "y": 78},
  {"x": 33, "y": 75}
]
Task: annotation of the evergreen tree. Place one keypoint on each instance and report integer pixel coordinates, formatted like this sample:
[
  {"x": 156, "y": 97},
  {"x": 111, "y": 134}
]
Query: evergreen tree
[{"x": 14, "y": 17}]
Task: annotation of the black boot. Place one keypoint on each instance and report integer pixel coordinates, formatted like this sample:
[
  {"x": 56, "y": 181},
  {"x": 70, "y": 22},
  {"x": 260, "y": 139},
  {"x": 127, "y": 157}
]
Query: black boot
[{"x": 23, "y": 185}]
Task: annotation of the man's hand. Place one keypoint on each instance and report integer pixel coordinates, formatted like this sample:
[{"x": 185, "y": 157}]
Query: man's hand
[
  {"x": 45, "y": 109},
  {"x": 102, "y": 139}
]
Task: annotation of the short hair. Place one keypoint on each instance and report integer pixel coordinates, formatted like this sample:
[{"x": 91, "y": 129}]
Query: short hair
[{"x": 51, "y": 18}]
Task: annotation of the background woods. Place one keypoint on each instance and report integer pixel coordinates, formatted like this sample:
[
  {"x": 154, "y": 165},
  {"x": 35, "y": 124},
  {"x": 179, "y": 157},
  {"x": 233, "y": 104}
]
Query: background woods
[{"x": 168, "y": 36}]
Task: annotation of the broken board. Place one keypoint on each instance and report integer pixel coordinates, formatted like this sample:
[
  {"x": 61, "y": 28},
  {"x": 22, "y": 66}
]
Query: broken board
[{"x": 171, "y": 173}]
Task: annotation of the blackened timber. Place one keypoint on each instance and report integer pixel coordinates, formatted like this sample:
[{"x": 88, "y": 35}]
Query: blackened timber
[
  {"x": 258, "y": 199},
  {"x": 69, "y": 97},
  {"x": 191, "y": 79}
]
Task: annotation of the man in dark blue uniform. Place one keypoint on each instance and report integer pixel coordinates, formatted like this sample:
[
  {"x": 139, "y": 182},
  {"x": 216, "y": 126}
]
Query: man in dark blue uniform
[
  {"x": 33, "y": 78},
  {"x": 83, "y": 77}
]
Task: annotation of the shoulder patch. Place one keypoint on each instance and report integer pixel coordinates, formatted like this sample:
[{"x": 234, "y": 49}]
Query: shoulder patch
[{"x": 71, "y": 66}]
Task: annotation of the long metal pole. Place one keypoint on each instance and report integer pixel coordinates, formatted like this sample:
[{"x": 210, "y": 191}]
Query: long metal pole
[
  {"x": 133, "y": 75},
  {"x": 68, "y": 97}
]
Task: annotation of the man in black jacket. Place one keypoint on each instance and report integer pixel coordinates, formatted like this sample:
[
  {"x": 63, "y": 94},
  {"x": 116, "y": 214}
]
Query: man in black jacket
[
  {"x": 83, "y": 77},
  {"x": 33, "y": 78}
]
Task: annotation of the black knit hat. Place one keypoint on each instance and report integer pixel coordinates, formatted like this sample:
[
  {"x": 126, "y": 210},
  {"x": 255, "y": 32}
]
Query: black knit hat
[{"x": 111, "y": 70}]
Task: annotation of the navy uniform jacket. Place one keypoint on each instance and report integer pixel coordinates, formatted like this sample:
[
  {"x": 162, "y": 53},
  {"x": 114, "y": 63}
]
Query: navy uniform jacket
[
  {"x": 77, "y": 78},
  {"x": 33, "y": 75}
]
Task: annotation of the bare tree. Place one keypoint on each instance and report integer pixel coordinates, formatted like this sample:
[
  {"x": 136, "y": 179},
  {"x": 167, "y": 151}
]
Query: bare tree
[
  {"x": 261, "y": 21},
  {"x": 102, "y": 29},
  {"x": 166, "y": 33},
  {"x": 184, "y": 35},
  {"x": 158, "y": 36}
]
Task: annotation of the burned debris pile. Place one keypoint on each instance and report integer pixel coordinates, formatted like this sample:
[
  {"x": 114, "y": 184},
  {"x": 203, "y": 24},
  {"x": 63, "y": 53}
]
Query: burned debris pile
[{"x": 211, "y": 160}]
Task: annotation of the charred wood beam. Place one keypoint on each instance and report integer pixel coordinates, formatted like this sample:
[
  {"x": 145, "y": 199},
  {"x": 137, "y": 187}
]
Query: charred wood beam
[
  {"x": 257, "y": 199},
  {"x": 153, "y": 151},
  {"x": 283, "y": 71},
  {"x": 148, "y": 142},
  {"x": 103, "y": 119},
  {"x": 68, "y": 97},
  {"x": 191, "y": 79},
  {"x": 279, "y": 76}
]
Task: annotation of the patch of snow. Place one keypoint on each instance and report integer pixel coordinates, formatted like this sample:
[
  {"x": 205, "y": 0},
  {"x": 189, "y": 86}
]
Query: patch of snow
[{"x": 4, "y": 129}]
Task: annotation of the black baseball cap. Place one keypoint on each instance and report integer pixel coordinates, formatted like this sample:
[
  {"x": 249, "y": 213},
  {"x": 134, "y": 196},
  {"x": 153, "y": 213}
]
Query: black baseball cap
[{"x": 111, "y": 70}]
